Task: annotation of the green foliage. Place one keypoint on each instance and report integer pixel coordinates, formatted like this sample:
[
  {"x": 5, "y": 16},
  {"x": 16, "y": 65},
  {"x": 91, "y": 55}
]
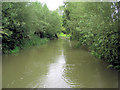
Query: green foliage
[
  {"x": 35, "y": 41},
  {"x": 96, "y": 26},
  {"x": 27, "y": 24},
  {"x": 63, "y": 35},
  {"x": 16, "y": 50}
]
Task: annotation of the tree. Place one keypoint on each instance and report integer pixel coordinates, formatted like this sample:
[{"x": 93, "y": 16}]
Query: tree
[{"x": 94, "y": 25}]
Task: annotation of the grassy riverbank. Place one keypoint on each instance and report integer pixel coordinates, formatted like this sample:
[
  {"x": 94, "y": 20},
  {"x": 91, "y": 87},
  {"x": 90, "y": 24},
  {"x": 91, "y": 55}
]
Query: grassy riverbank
[{"x": 36, "y": 41}]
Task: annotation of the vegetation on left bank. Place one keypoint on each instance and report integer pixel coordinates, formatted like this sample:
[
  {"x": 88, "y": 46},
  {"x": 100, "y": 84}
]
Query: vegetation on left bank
[{"x": 27, "y": 24}]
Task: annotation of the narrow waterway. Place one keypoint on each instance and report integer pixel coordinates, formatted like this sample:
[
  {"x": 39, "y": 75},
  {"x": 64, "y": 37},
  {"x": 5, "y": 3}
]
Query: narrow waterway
[{"x": 57, "y": 64}]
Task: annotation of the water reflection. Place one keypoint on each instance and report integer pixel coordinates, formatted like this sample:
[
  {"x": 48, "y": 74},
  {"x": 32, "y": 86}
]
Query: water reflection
[{"x": 55, "y": 78}]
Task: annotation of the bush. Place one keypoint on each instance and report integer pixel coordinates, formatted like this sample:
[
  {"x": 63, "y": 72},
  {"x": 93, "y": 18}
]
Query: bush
[{"x": 96, "y": 26}]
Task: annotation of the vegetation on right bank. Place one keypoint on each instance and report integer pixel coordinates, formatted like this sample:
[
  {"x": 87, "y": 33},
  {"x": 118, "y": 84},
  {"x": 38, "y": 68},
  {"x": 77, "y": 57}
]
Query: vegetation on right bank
[{"x": 95, "y": 25}]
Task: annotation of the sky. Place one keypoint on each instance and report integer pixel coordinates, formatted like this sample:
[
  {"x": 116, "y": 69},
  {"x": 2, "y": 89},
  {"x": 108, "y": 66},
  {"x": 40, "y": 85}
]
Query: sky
[{"x": 52, "y": 4}]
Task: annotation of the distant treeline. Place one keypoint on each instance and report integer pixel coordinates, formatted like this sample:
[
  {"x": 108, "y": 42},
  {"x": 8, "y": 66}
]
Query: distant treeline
[
  {"x": 95, "y": 25},
  {"x": 26, "y": 24}
]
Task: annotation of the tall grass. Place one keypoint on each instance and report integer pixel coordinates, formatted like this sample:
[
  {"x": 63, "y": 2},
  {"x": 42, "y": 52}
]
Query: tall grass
[{"x": 33, "y": 41}]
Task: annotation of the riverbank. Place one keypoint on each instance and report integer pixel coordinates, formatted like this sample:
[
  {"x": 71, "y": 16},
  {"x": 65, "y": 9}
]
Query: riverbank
[
  {"x": 36, "y": 41},
  {"x": 33, "y": 41}
]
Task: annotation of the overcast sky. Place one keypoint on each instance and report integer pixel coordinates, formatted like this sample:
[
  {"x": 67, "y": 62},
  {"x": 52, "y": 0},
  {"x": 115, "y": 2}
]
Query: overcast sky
[{"x": 52, "y": 4}]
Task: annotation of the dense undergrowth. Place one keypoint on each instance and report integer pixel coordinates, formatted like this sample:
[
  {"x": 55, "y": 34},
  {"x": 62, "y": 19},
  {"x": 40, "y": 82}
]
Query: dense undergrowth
[
  {"x": 26, "y": 24},
  {"x": 95, "y": 25}
]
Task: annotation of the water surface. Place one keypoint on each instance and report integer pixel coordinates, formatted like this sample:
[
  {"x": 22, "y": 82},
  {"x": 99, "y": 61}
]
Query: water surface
[{"x": 57, "y": 64}]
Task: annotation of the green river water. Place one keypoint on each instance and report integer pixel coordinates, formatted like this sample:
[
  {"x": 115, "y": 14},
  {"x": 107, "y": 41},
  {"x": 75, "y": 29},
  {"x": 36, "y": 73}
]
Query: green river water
[{"x": 57, "y": 64}]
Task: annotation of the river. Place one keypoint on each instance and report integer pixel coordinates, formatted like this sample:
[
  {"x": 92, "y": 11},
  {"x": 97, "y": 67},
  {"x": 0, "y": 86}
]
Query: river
[{"x": 57, "y": 64}]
